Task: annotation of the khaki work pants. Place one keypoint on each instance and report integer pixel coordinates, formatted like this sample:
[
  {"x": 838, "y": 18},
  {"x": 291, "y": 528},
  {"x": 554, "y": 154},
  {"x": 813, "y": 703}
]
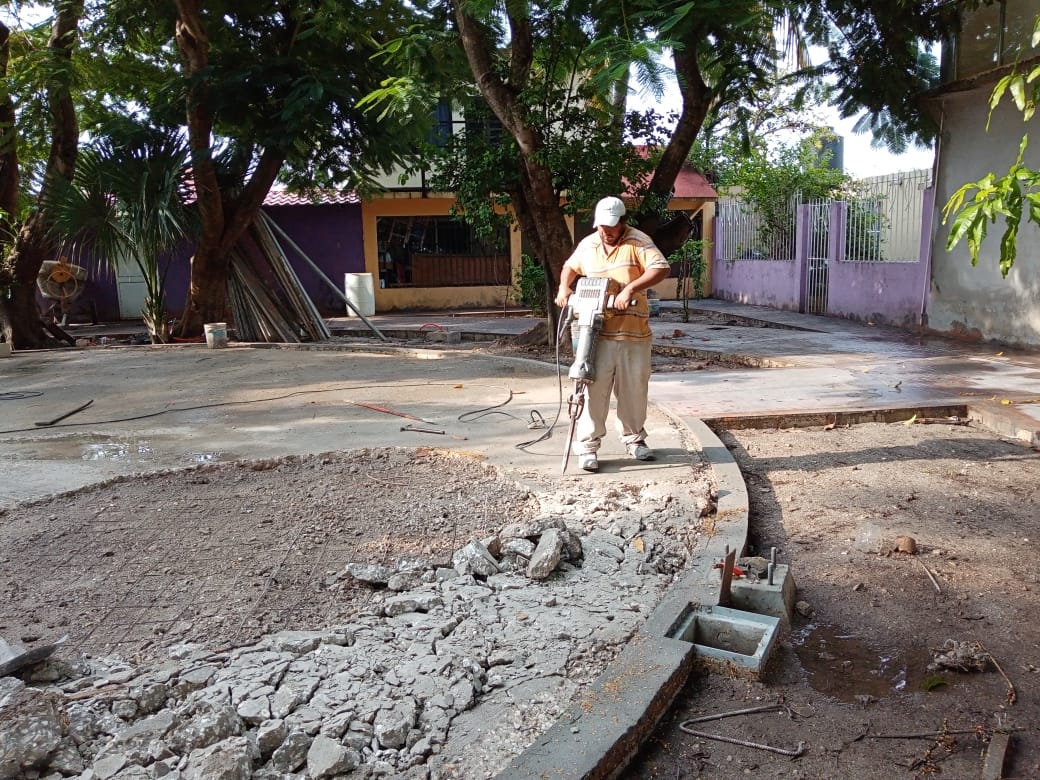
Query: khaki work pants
[{"x": 622, "y": 367}]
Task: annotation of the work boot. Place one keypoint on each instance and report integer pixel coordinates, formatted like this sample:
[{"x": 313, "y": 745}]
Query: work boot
[
  {"x": 588, "y": 461},
  {"x": 640, "y": 451}
]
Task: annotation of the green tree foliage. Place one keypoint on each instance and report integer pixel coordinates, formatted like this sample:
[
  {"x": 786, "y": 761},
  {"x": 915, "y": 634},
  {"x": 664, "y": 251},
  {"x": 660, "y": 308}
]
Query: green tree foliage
[
  {"x": 726, "y": 57},
  {"x": 773, "y": 182},
  {"x": 277, "y": 92},
  {"x": 878, "y": 61},
  {"x": 264, "y": 92},
  {"x": 530, "y": 287},
  {"x": 735, "y": 133},
  {"x": 1011, "y": 197}
]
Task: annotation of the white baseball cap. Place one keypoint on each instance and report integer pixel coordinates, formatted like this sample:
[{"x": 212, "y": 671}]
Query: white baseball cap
[{"x": 609, "y": 212}]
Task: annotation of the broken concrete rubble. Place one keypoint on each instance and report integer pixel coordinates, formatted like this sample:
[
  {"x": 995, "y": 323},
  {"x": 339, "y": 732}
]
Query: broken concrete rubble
[{"x": 450, "y": 677}]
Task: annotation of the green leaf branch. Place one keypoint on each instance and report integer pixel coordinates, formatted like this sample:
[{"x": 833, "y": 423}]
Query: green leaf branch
[{"x": 1011, "y": 197}]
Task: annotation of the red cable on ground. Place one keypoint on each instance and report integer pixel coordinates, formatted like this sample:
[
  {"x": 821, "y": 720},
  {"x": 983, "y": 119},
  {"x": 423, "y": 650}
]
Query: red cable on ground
[{"x": 433, "y": 325}]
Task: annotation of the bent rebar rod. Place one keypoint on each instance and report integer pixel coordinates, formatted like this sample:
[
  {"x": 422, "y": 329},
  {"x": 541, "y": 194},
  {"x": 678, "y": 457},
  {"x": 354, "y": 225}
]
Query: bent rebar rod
[{"x": 745, "y": 743}]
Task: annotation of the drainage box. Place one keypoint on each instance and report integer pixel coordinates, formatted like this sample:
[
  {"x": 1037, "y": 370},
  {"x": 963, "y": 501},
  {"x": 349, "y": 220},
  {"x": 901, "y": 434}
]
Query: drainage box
[
  {"x": 739, "y": 642},
  {"x": 758, "y": 595}
]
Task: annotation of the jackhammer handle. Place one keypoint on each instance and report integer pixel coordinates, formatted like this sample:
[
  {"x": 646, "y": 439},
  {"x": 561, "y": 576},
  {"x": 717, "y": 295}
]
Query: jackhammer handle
[{"x": 610, "y": 302}]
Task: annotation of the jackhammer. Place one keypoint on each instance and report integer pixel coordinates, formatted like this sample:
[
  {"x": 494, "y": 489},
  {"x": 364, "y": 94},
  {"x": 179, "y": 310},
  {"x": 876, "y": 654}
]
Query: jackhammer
[{"x": 584, "y": 313}]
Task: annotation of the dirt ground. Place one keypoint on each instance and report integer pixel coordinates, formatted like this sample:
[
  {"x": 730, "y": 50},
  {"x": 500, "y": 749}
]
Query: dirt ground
[
  {"x": 237, "y": 550},
  {"x": 851, "y": 677}
]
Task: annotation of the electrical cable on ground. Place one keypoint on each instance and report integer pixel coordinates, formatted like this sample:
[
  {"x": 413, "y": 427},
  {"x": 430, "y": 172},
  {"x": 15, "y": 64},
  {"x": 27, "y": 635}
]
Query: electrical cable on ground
[
  {"x": 537, "y": 421},
  {"x": 535, "y": 415},
  {"x": 218, "y": 404},
  {"x": 534, "y": 421},
  {"x": 18, "y": 395}
]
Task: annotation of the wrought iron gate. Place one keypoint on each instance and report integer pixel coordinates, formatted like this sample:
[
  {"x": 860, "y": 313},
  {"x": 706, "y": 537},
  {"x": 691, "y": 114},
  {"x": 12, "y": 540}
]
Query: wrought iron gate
[{"x": 819, "y": 243}]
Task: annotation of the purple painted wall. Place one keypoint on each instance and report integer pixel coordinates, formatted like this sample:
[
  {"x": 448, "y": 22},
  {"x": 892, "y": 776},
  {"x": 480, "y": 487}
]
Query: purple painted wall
[
  {"x": 880, "y": 292},
  {"x": 102, "y": 292},
  {"x": 773, "y": 283},
  {"x": 883, "y": 293},
  {"x": 330, "y": 235}
]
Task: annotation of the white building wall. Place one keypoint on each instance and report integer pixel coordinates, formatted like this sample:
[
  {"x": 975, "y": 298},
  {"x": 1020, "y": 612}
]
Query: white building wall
[{"x": 976, "y": 301}]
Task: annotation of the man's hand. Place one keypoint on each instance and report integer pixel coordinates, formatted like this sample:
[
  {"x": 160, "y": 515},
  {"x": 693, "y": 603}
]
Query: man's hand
[
  {"x": 568, "y": 276},
  {"x": 623, "y": 299}
]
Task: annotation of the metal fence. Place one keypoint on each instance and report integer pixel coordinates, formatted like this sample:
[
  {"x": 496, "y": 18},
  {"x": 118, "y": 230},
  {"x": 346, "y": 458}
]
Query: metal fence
[
  {"x": 882, "y": 223},
  {"x": 744, "y": 233},
  {"x": 883, "y": 219}
]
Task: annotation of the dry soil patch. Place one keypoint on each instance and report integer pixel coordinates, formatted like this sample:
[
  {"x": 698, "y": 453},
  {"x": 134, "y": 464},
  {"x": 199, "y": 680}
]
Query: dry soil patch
[
  {"x": 219, "y": 555},
  {"x": 854, "y": 668}
]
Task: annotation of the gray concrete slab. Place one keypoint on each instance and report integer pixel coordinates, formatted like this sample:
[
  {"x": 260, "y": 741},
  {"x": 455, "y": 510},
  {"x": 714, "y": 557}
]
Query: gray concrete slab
[{"x": 165, "y": 407}]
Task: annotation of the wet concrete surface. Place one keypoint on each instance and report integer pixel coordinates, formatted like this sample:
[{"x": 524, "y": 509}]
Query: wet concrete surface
[
  {"x": 156, "y": 408},
  {"x": 175, "y": 406},
  {"x": 838, "y": 366}
]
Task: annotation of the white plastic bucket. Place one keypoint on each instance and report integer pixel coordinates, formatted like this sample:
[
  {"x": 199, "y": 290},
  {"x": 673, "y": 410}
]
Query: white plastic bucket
[
  {"x": 216, "y": 335},
  {"x": 361, "y": 293}
]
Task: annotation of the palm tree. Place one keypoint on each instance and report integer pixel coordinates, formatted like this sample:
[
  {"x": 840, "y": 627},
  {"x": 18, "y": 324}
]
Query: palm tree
[{"x": 130, "y": 204}]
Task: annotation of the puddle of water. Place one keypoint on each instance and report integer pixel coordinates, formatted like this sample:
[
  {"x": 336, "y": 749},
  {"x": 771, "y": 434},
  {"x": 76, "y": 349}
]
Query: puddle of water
[
  {"x": 846, "y": 667},
  {"x": 136, "y": 452},
  {"x": 119, "y": 450}
]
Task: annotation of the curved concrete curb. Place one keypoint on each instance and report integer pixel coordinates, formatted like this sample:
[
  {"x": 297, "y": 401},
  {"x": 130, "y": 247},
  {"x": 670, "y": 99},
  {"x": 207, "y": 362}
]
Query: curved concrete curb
[{"x": 599, "y": 734}]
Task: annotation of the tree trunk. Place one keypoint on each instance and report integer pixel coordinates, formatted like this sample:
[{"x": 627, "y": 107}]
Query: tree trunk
[
  {"x": 207, "y": 289},
  {"x": 541, "y": 199},
  {"x": 20, "y": 316},
  {"x": 8, "y": 185},
  {"x": 224, "y": 221},
  {"x": 545, "y": 213},
  {"x": 696, "y": 97},
  {"x": 19, "y": 313},
  {"x": 9, "y": 173}
]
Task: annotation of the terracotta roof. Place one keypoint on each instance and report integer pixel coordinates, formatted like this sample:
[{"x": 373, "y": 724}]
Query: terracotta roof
[
  {"x": 690, "y": 184},
  {"x": 318, "y": 198}
]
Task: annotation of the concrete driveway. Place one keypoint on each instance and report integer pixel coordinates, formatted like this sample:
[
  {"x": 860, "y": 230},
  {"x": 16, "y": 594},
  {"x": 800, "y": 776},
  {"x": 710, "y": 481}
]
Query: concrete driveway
[{"x": 155, "y": 408}]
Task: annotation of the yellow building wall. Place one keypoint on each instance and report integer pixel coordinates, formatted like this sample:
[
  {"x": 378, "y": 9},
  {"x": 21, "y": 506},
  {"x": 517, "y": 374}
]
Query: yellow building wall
[
  {"x": 409, "y": 204},
  {"x": 405, "y": 204},
  {"x": 667, "y": 289}
]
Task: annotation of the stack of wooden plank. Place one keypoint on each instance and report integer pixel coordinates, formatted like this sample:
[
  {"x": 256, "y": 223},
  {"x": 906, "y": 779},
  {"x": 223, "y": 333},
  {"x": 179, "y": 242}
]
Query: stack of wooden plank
[{"x": 268, "y": 302}]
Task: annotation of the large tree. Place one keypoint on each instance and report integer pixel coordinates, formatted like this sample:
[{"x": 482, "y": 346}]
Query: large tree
[
  {"x": 263, "y": 91},
  {"x": 724, "y": 55},
  {"x": 272, "y": 90},
  {"x": 30, "y": 242}
]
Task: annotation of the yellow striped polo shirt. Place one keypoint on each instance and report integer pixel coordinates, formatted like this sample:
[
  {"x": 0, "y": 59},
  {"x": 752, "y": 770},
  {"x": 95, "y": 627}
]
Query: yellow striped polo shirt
[{"x": 629, "y": 259}]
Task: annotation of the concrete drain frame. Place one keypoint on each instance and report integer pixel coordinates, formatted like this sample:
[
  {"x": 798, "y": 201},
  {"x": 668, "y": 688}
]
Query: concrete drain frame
[{"x": 736, "y": 640}]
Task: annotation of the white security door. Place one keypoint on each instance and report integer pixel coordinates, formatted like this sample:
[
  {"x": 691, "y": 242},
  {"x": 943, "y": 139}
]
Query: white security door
[{"x": 132, "y": 291}]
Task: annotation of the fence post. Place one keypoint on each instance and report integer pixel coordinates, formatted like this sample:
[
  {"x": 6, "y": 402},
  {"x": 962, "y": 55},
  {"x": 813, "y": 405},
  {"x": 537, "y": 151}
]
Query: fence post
[
  {"x": 837, "y": 216},
  {"x": 802, "y": 241},
  {"x": 706, "y": 285},
  {"x": 924, "y": 254}
]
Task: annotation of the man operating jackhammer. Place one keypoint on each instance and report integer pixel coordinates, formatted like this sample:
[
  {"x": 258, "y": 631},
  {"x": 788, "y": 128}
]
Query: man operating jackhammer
[{"x": 621, "y": 354}]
